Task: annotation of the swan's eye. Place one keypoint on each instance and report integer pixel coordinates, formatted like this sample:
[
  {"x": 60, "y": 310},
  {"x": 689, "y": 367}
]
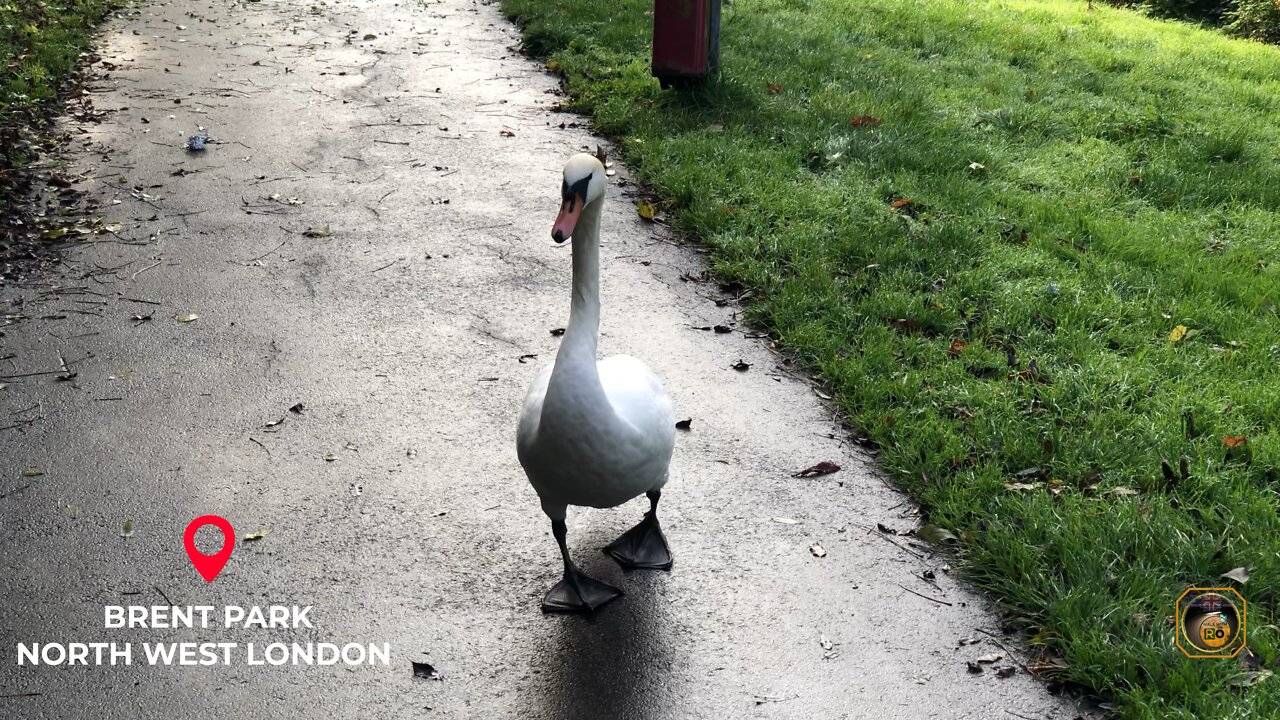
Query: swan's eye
[{"x": 575, "y": 192}]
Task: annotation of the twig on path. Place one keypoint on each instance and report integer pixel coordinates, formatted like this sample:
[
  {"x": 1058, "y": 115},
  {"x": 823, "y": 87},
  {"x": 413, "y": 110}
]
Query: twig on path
[
  {"x": 259, "y": 444},
  {"x": 255, "y": 259},
  {"x": 393, "y": 142},
  {"x": 384, "y": 267},
  {"x": 926, "y": 597},
  {"x": 166, "y": 597},
  {"x": 30, "y": 374},
  {"x": 140, "y": 301},
  {"x": 1018, "y": 715},
  {"x": 886, "y": 538},
  {"x": 1004, "y": 647},
  {"x": 155, "y": 264},
  {"x": 21, "y": 423}
]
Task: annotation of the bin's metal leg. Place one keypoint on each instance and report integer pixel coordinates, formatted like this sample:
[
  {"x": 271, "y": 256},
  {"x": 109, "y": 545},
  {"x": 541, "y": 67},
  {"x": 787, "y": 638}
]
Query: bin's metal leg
[{"x": 713, "y": 53}]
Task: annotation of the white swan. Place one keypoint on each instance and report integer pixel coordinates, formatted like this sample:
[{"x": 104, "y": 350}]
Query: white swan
[{"x": 594, "y": 433}]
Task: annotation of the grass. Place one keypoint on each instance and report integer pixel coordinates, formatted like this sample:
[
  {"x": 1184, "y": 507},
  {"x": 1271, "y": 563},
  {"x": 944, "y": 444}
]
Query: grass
[
  {"x": 40, "y": 44},
  {"x": 988, "y": 280}
]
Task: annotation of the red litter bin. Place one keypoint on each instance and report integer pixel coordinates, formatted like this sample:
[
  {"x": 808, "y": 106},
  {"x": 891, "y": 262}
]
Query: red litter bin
[{"x": 686, "y": 41}]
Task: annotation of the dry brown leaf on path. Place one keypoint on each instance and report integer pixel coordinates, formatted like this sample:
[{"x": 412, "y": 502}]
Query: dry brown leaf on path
[{"x": 826, "y": 467}]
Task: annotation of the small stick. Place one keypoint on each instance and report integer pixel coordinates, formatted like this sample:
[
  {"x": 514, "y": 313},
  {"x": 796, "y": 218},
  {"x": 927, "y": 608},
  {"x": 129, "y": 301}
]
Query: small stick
[
  {"x": 926, "y": 597},
  {"x": 246, "y": 262},
  {"x": 886, "y": 538},
  {"x": 135, "y": 275}
]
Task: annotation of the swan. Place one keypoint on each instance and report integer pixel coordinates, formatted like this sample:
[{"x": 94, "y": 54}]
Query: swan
[{"x": 594, "y": 433}]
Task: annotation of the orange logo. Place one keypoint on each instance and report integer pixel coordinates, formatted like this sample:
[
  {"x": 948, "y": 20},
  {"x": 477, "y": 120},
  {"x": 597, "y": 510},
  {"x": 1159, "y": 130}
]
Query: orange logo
[{"x": 1210, "y": 622}]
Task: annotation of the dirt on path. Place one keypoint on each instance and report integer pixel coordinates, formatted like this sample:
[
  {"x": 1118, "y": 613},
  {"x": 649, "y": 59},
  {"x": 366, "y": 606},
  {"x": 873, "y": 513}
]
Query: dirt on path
[{"x": 365, "y": 239}]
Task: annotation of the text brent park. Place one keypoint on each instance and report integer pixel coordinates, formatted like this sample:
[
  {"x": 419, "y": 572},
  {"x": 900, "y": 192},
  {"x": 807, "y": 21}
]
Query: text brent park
[{"x": 273, "y": 617}]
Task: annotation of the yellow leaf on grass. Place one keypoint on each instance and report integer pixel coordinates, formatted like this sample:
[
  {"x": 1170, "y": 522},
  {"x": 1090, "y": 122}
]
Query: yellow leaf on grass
[
  {"x": 1177, "y": 334},
  {"x": 646, "y": 210}
]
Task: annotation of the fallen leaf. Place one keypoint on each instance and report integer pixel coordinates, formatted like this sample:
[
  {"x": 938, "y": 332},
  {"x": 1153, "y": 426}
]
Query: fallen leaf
[
  {"x": 899, "y": 204},
  {"x": 256, "y": 535},
  {"x": 864, "y": 121},
  {"x": 786, "y": 521},
  {"x": 330, "y": 457},
  {"x": 126, "y": 531},
  {"x": 297, "y": 409},
  {"x": 274, "y": 423},
  {"x": 72, "y": 511},
  {"x": 1177, "y": 334},
  {"x": 1240, "y": 574},
  {"x": 506, "y": 133},
  {"x": 317, "y": 232},
  {"x": 991, "y": 658},
  {"x": 425, "y": 671},
  {"x": 741, "y": 366},
  {"x": 557, "y": 332},
  {"x": 32, "y": 472},
  {"x": 722, "y": 329},
  {"x": 1250, "y": 679},
  {"x": 976, "y": 167},
  {"x": 553, "y": 65},
  {"x": 526, "y": 356},
  {"x": 936, "y": 535},
  {"x": 186, "y": 317},
  {"x": 1006, "y": 672},
  {"x": 646, "y": 210},
  {"x": 1021, "y": 486},
  {"x": 1234, "y": 441},
  {"x": 956, "y": 347},
  {"x": 684, "y": 424},
  {"x": 1121, "y": 491},
  {"x": 974, "y": 667},
  {"x": 826, "y": 467},
  {"x": 817, "y": 550},
  {"x": 774, "y": 88}
]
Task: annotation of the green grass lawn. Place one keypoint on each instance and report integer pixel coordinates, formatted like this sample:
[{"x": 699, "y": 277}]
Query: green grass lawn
[
  {"x": 989, "y": 277},
  {"x": 40, "y": 44}
]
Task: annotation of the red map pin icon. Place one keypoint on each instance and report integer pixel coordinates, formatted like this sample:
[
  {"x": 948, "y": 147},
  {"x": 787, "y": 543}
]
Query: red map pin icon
[{"x": 209, "y": 565}]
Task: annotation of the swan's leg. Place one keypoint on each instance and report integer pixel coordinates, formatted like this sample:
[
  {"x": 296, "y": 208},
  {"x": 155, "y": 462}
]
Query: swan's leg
[
  {"x": 577, "y": 592},
  {"x": 643, "y": 547}
]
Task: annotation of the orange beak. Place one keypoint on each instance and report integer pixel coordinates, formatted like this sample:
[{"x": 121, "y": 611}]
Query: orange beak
[{"x": 567, "y": 220}]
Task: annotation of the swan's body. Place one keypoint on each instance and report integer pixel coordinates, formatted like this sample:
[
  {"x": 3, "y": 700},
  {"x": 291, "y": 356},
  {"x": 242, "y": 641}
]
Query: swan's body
[
  {"x": 594, "y": 433},
  {"x": 578, "y": 450}
]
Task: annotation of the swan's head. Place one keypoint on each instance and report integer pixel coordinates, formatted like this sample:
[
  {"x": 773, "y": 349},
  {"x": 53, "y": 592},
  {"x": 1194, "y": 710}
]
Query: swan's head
[{"x": 583, "y": 185}]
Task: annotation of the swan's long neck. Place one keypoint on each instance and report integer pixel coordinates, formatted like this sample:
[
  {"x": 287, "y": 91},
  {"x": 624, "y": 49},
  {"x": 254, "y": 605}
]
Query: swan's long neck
[
  {"x": 575, "y": 377},
  {"x": 584, "y": 310}
]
